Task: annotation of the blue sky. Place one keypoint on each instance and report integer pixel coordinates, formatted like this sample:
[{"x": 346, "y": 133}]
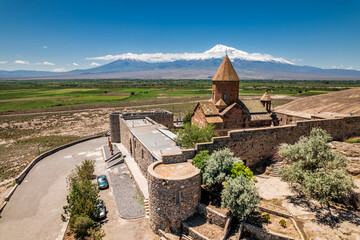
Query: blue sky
[{"x": 60, "y": 35}]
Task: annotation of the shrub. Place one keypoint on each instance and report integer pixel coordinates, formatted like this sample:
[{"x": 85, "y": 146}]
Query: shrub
[
  {"x": 320, "y": 173},
  {"x": 192, "y": 134},
  {"x": 239, "y": 169},
  {"x": 265, "y": 217},
  {"x": 187, "y": 118},
  {"x": 239, "y": 196},
  {"x": 82, "y": 225},
  {"x": 282, "y": 223},
  {"x": 218, "y": 167},
  {"x": 200, "y": 160}
]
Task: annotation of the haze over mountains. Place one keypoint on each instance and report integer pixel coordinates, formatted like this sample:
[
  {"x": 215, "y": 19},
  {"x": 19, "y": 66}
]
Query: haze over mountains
[{"x": 190, "y": 66}]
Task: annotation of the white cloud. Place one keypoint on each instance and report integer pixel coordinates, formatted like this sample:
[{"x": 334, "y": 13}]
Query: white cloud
[
  {"x": 94, "y": 64},
  {"x": 297, "y": 60},
  {"x": 217, "y": 51},
  {"x": 21, "y": 62},
  {"x": 75, "y": 64},
  {"x": 343, "y": 67},
  {"x": 45, "y": 46},
  {"x": 59, "y": 70},
  {"x": 48, "y": 63},
  {"x": 3, "y": 62}
]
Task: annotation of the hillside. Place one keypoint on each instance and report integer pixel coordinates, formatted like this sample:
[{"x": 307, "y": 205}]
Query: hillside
[
  {"x": 342, "y": 102},
  {"x": 191, "y": 66}
]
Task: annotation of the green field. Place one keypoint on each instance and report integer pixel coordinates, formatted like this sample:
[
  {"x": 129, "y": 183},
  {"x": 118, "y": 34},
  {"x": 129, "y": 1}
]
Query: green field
[{"x": 63, "y": 94}]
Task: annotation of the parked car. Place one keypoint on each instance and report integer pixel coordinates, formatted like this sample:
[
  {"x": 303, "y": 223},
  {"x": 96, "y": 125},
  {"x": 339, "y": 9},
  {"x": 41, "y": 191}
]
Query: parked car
[
  {"x": 102, "y": 182},
  {"x": 101, "y": 210}
]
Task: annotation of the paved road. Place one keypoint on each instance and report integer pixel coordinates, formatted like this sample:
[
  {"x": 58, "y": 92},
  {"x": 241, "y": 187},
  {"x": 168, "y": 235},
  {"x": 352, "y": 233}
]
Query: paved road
[{"x": 35, "y": 208}]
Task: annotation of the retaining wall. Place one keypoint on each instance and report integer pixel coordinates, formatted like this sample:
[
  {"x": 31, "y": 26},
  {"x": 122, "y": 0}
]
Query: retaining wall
[{"x": 256, "y": 145}]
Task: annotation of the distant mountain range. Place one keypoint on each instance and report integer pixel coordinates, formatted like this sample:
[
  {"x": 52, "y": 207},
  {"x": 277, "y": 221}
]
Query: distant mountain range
[{"x": 191, "y": 66}]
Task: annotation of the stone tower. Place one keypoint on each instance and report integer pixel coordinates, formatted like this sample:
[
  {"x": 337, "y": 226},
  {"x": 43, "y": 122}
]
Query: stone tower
[
  {"x": 225, "y": 84},
  {"x": 266, "y": 101}
]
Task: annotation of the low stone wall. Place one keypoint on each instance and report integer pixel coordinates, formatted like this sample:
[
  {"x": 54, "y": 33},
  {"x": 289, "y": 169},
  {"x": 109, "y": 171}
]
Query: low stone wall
[
  {"x": 193, "y": 233},
  {"x": 216, "y": 217},
  {"x": 261, "y": 234},
  {"x": 23, "y": 174}
]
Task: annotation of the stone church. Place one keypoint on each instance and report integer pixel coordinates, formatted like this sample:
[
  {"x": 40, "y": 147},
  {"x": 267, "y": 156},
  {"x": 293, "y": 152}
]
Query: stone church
[{"x": 225, "y": 110}]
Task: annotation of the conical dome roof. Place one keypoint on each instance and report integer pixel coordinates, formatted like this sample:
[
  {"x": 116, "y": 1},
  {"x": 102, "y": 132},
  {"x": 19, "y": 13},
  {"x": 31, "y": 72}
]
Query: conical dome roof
[
  {"x": 266, "y": 97},
  {"x": 226, "y": 71}
]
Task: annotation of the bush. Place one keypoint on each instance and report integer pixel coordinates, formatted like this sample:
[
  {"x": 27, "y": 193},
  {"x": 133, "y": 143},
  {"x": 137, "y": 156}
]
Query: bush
[
  {"x": 265, "y": 218},
  {"x": 240, "y": 169},
  {"x": 192, "y": 134},
  {"x": 200, "y": 160},
  {"x": 239, "y": 196},
  {"x": 82, "y": 225},
  {"x": 187, "y": 118},
  {"x": 282, "y": 223},
  {"x": 81, "y": 200},
  {"x": 320, "y": 173},
  {"x": 218, "y": 167}
]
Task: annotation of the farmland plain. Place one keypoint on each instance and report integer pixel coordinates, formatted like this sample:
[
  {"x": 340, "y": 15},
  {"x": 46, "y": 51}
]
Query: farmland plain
[{"x": 38, "y": 115}]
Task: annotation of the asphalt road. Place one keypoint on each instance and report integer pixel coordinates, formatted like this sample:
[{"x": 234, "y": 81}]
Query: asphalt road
[{"x": 35, "y": 208}]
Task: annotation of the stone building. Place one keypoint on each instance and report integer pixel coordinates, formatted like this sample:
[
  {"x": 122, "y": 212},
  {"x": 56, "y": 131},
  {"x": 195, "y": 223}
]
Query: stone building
[
  {"x": 225, "y": 110},
  {"x": 173, "y": 183}
]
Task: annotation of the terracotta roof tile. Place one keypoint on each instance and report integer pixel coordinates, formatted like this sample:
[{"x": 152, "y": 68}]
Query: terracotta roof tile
[
  {"x": 221, "y": 103},
  {"x": 226, "y": 71},
  {"x": 260, "y": 117},
  {"x": 265, "y": 97},
  {"x": 214, "y": 120},
  {"x": 209, "y": 108}
]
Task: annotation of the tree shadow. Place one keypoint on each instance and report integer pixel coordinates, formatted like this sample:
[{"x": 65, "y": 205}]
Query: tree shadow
[{"x": 323, "y": 216}]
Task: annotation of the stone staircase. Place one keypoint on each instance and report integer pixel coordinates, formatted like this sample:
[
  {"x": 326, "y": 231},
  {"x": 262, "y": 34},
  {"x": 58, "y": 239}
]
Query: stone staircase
[
  {"x": 186, "y": 237},
  {"x": 275, "y": 169},
  {"x": 147, "y": 208}
]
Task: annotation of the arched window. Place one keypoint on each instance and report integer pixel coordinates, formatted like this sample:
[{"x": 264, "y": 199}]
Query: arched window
[{"x": 224, "y": 96}]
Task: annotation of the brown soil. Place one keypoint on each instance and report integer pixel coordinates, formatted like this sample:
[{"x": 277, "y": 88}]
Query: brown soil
[
  {"x": 342, "y": 102},
  {"x": 199, "y": 224}
]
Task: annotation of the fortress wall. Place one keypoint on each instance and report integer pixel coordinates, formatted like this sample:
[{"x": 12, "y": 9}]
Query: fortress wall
[
  {"x": 256, "y": 145},
  {"x": 164, "y": 210},
  {"x": 142, "y": 156},
  {"x": 115, "y": 127}
]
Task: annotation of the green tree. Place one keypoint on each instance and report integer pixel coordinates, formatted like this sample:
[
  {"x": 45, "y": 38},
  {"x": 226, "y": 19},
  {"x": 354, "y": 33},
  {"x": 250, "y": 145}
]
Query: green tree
[
  {"x": 81, "y": 201},
  {"x": 319, "y": 172},
  {"x": 239, "y": 196},
  {"x": 239, "y": 169},
  {"x": 200, "y": 160},
  {"x": 187, "y": 118},
  {"x": 192, "y": 134},
  {"x": 218, "y": 167}
]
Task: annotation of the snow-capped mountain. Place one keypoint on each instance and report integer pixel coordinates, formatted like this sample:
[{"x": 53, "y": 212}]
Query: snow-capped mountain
[
  {"x": 218, "y": 51},
  {"x": 191, "y": 66}
]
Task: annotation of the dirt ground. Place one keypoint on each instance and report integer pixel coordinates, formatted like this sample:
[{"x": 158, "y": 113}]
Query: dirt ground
[
  {"x": 313, "y": 217},
  {"x": 342, "y": 102}
]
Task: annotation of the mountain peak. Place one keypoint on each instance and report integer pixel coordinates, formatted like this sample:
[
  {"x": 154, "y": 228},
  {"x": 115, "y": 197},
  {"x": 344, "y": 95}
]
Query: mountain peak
[{"x": 218, "y": 51}]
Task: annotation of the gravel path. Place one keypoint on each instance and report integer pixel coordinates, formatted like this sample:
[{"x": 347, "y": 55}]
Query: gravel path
[{"x": 126, "y": 196}]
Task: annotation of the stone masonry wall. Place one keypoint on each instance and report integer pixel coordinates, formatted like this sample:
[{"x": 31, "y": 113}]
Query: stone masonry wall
[
  {"x": 216, "y": 217},
  {"x": 255, "y": 145},
  {"x": 115, "y": 127},
  {"x": 162, "y": 197},
  {"x": 142, "y": 156}
]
